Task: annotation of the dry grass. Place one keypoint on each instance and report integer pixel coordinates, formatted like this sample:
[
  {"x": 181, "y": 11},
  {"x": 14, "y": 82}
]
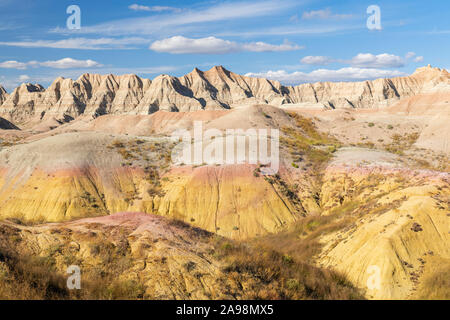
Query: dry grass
[
  {"x": 401, "y": 143},
  {"x": 304, "y": 140},
  {"x": 268, "y": 274},
  {"x": 435, "y": 285},
  {"x": 301, "y": 240},
  {"x": 287, "y": 190},
  {"x": 28, "y": 277},
  {"x": 140, "y": 150},
  {"x": 282, "y": 276},
  {"x": 6, "y": 144}
]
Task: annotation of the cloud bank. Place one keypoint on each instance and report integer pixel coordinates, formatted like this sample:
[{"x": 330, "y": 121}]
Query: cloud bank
[
  {"x": 65, "y": 63},
  {"x": 361, "y": 60},
  {"x": 324, "y": 14},
  {"x": 79, "y": 43},
  {"x": 213, "y": 45},
  {"x": 137, "y": 7},
  {"x": 343, "y": 74}
]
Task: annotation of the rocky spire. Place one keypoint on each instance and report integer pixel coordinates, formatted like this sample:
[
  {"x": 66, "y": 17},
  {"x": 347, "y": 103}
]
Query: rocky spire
[{"x": 217, "y": 88}]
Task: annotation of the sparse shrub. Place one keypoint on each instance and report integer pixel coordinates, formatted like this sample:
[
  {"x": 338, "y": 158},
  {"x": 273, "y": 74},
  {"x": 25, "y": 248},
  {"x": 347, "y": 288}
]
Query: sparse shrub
[
  {"x": 118, "y": 144},
  {"x": 332, "y": 149},
  {"x": 286, "y": 277},
  {"x": 305, "y": 138},
  {"x": 266, "y": 115},
  {"x": 434, "y": 285},
  {"x": 287, "y": 258}
]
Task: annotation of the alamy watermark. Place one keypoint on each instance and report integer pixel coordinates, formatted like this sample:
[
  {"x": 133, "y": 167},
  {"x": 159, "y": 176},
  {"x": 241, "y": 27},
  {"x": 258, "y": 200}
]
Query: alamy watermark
[
  {"x": 231, "y": 146},
  {"x": 374, "y": 20},
  {"x": 74, "y": 280},
  {"x": 74, "y": 20},
  {"x": 374, "y": 279}
]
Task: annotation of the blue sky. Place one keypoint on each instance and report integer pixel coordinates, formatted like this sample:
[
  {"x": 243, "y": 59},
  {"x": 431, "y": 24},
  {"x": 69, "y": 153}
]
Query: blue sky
[{"x": 292, "y": 41}]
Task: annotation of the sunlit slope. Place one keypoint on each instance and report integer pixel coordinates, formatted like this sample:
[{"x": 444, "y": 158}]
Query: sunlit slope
[{"x": 397, "y": 221}]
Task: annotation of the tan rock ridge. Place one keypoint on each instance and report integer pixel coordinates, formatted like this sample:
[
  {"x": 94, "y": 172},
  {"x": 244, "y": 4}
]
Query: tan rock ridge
[
  {"x": 95, "y": 95},
  {"x": 3, "y": 95},
  {"x": 22, "y": 102}
]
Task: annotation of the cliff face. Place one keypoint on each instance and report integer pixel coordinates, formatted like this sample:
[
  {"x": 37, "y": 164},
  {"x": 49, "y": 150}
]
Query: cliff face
[
  {"x": 3, "y": 95},
  {"x": 218, "y": 88},
  {"x": 371, "y": 94}
]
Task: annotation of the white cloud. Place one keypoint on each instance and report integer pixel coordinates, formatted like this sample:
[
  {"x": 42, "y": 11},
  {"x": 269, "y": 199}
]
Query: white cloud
[
  {"x": 24, "y": 78},
  {"x": 213, "y": 45},
  {"x": 287, "y": 30},
  {"x": 265, "y": 47},
  {"x": 137, "y": 7},
  {"x": 46, "y": 76},
  {"x": 409, "y": 55},
  {"x": 12, "y": 64},
  {"x": 324, "y": 14},
  {"x": 179, "y": 45},
  {"x": 344, "y": 74},
  {"x": 9, "y": 26},
  {"x": 439, "y": 32},
  {"x": 316, "y": 60},
  {"x": 166, "y": 23},
  {"x": 10, "y": 83},
  {"x": 294, "y": 18},
  {"x": 66, "y": 63},
  {"x": 80, "y": 43},
  {"x": 384, "y": 60},
  {"x": 69, "y": 63},
  {"x": 362, "y": 60}
]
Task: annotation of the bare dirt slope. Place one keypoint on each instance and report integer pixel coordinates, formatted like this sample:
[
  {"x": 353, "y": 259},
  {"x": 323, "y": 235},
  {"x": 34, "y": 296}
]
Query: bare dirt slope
[
  {"x": 399, "y": 221},
  {"x": 78, "y": 174}
]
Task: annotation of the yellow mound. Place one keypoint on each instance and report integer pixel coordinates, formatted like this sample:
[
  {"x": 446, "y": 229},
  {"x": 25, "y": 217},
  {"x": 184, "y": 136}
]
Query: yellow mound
[{"x": 400, "y": 223}]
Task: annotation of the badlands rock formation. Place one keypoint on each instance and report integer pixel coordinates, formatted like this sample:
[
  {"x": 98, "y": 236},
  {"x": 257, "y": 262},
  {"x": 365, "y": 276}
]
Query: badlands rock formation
[
  {"x": 78, "y": 174},
  {"x": 142, "y": 256},
  {"x": 3, "y": 95},
  {"x": 218, "y": 88},
  {"x": 371, "y": 94},
  {"x": 358, "y": 189},
  {"x": 160, "y": 260},
  {"x": 399, "y": 221},
  {"x": 6, "y": 125}
]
